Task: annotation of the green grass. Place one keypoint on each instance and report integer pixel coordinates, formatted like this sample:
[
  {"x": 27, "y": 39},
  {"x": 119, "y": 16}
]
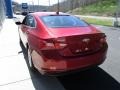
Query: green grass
[
  {"x": 103, "y": 8},
  {"x": 99, "y": 21}
]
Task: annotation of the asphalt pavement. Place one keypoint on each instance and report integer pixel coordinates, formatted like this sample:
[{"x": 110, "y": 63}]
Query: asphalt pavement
[{"x": 15, "y": 74}]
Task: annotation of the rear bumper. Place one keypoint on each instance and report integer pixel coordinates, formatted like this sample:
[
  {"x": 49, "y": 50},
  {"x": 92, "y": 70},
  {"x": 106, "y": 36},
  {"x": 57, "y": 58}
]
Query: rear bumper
[{"x": 65, "y": 65}]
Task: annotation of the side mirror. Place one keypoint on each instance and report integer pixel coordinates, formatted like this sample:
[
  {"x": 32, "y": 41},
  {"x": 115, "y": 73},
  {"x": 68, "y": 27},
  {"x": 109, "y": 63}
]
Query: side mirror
[{"x": 18, "y": 23}]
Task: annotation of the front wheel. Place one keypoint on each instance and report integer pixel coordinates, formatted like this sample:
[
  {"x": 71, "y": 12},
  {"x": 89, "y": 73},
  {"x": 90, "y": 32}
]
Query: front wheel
[{"x": 30, "y": 62}]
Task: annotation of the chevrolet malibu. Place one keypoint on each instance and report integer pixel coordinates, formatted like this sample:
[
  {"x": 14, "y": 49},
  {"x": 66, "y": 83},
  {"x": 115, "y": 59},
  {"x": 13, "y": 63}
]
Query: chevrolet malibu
[{"x": 60, "y": 43}]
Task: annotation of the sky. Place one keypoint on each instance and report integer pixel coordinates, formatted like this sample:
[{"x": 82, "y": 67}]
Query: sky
[{"x": 41, "y": 2}]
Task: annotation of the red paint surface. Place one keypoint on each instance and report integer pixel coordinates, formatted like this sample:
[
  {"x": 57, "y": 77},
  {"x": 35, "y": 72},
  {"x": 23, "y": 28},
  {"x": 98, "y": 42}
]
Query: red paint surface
[{"x": 64, "y": 49}]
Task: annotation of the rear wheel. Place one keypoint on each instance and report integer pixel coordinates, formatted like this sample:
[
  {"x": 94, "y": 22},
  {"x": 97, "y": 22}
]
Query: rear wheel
[
  {"x": 30, "y": 62},
  {"x": 20, "y": 41}
]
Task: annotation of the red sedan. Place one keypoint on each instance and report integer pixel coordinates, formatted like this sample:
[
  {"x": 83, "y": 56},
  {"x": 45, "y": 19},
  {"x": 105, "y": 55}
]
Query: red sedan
[{"x": 60, "y": 43}]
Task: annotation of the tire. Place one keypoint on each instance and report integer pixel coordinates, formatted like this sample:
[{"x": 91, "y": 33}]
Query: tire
[
  {"x": 30, "y": 62},
  {"x": 20, "y": 41}
]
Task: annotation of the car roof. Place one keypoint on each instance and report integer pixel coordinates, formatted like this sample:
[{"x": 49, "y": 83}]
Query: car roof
[{"x": 48, "y": 13}]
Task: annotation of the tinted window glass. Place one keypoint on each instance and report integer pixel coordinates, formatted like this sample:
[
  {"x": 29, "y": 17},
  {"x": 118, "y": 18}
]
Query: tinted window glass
[
  {"x": 63, "y": 21},
  {"x": 29, "y": 21},
  {"x": 25, "y": 21}
]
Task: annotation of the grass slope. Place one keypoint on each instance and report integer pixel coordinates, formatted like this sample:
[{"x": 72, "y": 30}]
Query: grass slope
[
  {"x": 99, "y": 21},
  {"x": 102, "y": 8}
]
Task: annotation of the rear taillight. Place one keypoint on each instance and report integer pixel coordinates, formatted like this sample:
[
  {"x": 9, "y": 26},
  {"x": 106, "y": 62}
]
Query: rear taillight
[
  {"x": 103, "y": 39},
  {"x": 46, "y": 44},
  {"x": 60, "y": 43},
  {"x": 57, "y": 43}
]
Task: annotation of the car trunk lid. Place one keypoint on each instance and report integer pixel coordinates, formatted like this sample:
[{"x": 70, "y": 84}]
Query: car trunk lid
[{"x": 80, "y": 44}]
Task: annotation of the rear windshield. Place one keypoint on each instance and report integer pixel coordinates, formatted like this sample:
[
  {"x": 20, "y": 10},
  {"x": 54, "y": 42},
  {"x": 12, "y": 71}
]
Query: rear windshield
[{"x": 63, "y": 21}]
